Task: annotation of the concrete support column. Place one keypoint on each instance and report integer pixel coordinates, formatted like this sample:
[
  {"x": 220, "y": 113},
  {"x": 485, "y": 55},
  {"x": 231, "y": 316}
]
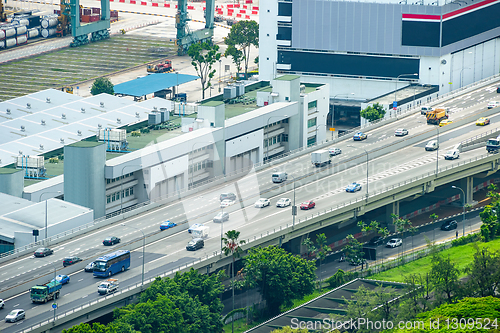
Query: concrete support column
[
  {"x": 467, "y": 184},
  {"x": 392, "y": 208}
]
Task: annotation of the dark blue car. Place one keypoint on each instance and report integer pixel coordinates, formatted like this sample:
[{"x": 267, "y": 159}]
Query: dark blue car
[
  {"x": 353, "y": 187},
  {"x": 167, "y": 224}
]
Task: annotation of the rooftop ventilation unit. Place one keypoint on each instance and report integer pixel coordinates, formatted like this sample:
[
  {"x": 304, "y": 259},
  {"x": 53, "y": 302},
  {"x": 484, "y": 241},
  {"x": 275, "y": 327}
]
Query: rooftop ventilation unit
[
  {"x": 43, "y": 122},
  {"x": 23, "y": 129},
  {"x": 62, "y": 140},
  {"x": 79, "y": 133},
  {"x": 83, "y": 110},
  {"x": 48, "y": 100},
  {"x": 99, "y": 126},
  {"x": 155, "y": 108},
  {"x": 302, "y": 88},
  {"x": 137, "y": 115},
  {"x": 41, "y": 146},
  {"x": 28, "y": 105},
  {"x": 8, "y": 111},
  {"x": 63, "y": 116},
  {"x": 20, "y": 152},
  {"x": 118, "y": 120},
  {"x": 102, "y": 104}
]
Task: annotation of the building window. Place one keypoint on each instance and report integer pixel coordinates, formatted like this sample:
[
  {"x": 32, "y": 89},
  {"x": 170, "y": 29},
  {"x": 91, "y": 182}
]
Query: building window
[
  {"x": 108, "y": 198},
  {"x": 108, "y": 181},
  {"x": 285, "y": 121},
  {"x": 284, "y": 137},
  {"x": 313, "y": 104},
  {"x": 311, "y": 122},
  {"x": 131, "y": 191},
  {"x": 274, "y": 140},
  {"x": 127, "y": 192},
  {"x": 265, "y": 142},
  {"x": 311, "y": 141},
  {"x": 278, "y": 138}
]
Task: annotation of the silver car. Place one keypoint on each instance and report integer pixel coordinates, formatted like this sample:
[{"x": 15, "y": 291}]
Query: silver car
[
  {"x": 283, "y": 202},
  {"x": 15, "y": 315},
  {"x": 221, "y": 217}
]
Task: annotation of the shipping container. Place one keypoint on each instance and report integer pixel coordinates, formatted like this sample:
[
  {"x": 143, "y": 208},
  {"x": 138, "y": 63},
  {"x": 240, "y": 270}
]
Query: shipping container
[
  {"x": 96, "y": 10},
  {"x": 112, "y": 134}
]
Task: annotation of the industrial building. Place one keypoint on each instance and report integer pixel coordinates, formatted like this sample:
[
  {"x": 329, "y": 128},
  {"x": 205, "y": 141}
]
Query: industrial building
[
  {"x": 367, "y": 49},
  {"x": 105, "y": 172}
]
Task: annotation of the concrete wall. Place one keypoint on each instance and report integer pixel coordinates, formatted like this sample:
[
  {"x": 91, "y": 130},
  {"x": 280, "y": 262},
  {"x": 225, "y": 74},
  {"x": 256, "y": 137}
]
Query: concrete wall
[{"x": 12, "y": 183}]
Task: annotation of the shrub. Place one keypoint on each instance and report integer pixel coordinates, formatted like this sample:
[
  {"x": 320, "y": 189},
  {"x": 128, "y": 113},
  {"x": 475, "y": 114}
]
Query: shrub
[
  {"x": 136, "y": 133},
  {"x": 471, "y": 238}
]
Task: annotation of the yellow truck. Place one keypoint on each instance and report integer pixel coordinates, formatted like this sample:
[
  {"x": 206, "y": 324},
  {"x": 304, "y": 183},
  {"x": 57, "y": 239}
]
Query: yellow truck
[{"x": 435, "y": 116}]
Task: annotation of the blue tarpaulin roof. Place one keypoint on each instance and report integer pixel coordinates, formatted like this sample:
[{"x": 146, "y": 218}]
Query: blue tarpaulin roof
[{"x": 152, "y": 83}]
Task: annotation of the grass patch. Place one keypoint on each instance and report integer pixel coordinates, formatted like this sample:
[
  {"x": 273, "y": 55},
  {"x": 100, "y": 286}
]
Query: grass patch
[
  {"x": 240, "y": 326},
  {"x": 460, "y": 255},
  {"x": 307, "y": 298}
]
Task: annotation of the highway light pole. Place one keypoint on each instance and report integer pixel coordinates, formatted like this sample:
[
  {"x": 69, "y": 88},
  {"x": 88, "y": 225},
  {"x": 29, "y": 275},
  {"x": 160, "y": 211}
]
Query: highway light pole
[
  {"x": 192, "y": 164},
  {"x": 366, "y": 152},
  {"x": 395, "y": 91},
  {"x": 437, "y": 151},
  {"x": 294, "y": 208},
  {"x": 143, "y": 247},
  {"x": 46, "y": 212},
  {"x": 220, "y": 69},
  {"x": 463, "y": 211},
  {"x": 267, "y": 133},
  {"x": 121, "y": 187}
]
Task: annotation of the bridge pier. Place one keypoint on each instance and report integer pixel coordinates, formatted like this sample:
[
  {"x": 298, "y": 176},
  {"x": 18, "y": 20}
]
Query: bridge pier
[
  {"x": 467, "y": 184},
  {"x": 392, "y": 208}
]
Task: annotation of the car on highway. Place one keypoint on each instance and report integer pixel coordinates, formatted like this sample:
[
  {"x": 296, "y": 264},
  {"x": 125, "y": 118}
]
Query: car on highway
[
  {"x": 61, "y": 278},
  {"x": 90, "y": 267},
  {"x": 283, "y": 202},
  {"x": 229, "y": 196},
  {"x": 43, "y": 252},
  {"x": 483, "y": 121},
  {"x": 449, "y": 225},
  {"x": 221, "y": 217},
  {"x": 401, "y": 132},
  {"x": 452, "y": 154},
  {"x": 167, "y": 225},
  {"x": 2, "y": 304},
  {"x": 71, "y": 260},
  {"x": 424, "y": 109},
  {"x": 445, "y": 122},
  {"x": 226, "y": 203},
  {"x": 376, "y": 241},
  {"x": 194, "y": 226},
  {"x": 15, "y": 315},
  {"x": 493, "y": 104},
  {"x": 108, "y": 241},
  {"x": 335, "y": 151},
  {"x": 195, "y": 244},
  {"x": 354, "y": 187},
  {"x": 262, "y": 202},
  {"x": 432, "y": 145},
  {"x": 359, "y": 136},
  {"x": 394, "y": 242},
  {"x": 306, "y": 205}
]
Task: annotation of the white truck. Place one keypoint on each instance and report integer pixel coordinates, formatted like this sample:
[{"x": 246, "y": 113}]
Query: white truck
[
  {"x": 320, "y": 158},
  {"x": 108, "y": 286},
  {"x": 200, "y": 232}
]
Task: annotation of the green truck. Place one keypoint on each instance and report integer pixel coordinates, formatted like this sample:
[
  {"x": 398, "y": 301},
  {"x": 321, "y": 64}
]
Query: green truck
[{"x": 41, "y": 293}]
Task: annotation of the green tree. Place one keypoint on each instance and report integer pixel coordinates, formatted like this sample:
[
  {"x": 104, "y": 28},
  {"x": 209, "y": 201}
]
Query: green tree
[
  {"x": 434, "y": 218},
  {"x": 373, "y": 112},
  {"x": 353, "y": 251},
  {"x": 444, "y": 277},
  {"x": 242, "y": 36},
  {"x": 232, "y": 247},
  {"x": 236, "y": 54},
  {"x": 102, "y": 85},
  {"x": 280, "y": 276},
  {"x": 288, "y": 329},
  {"x": 320, "y": 250},
  {"x": 87, "y": 328},
  {"x": 484, "y": 273},
  {"x": 417, "y": 294},
  {"x": 203, "y": 57}
]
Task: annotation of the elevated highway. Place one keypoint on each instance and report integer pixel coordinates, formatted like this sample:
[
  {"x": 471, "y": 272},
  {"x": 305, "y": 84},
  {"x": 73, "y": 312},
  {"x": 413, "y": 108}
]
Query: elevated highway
[{"x": 398, "y": 168}]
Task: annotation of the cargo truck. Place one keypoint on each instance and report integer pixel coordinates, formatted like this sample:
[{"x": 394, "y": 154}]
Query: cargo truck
[
  {"x": 41, "y": 293},
  {"x": 108, "y": 286},
  {"x": 435, "y": 116},
  {"x": 200, "y": 232},
  {"x": 320, "y": 158},
  {"x": 493, "y": 145}
]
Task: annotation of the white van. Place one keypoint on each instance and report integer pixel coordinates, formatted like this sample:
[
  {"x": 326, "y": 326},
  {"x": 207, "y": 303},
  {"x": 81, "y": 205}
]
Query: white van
[
  {"x": 452, "y": 154},
  {"x": 279, "y": 177},
  {"x": 432, "y": 145}
]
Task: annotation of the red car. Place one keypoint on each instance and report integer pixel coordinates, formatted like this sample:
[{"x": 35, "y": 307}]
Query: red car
[{"x": 307, "y": 205}]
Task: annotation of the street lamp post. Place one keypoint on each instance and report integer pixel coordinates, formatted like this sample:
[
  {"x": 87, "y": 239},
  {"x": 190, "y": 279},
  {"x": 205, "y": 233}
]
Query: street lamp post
[
  {"x": 267, "y": 134},
  {"x": 192, "y": 164},
  {"x": 294, "y": 208},
  {"x": 366, "y": 152},
  {"x": 397, "y": 79},
  {"x": 121, "y": 186},
  {"x": 46, "y": 212},
  {"x": 143, "y": 247},
  {"x": 463, "y": 212},
  {"x": 54, "y": 268},
  {"x": 220, "y": 70},
  {"x": 437, "y": 151},
  {"x": 461, "y": 78}
]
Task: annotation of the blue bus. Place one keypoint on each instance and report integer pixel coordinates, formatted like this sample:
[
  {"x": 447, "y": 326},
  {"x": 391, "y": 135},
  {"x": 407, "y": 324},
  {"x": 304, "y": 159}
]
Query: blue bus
[{"x": 112, "y": 263}]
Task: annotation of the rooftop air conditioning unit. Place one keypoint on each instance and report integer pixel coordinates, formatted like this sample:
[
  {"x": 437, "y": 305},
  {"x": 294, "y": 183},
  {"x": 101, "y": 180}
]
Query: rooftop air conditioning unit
[
  {"x": 99, "y": 126},
  {"x": 41, "y": 146},
  {"x": 83, "y": 110},
  {"x": 137, "y": 115},
  {"x": 48, "y": 100},
  {"x": 63, "y": 116},
  {"x": 43, "y": 122},
  {"x": 79, "y": 133},
  {"x": 155, "y": 108},
  {"x": 23, "y": 129},
  {"x": 118, "y": 120},
  {"x": 62, "y": 140},
  {"x": 20, "y": 152},
  {"x": 8, "y": 111},
  {"x": 102, "y": 104},
  {"x": 28, "y": 105}
]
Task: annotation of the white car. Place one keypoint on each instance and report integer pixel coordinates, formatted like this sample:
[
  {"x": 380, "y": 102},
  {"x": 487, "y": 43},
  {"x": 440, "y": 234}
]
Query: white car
[
  {"x": 2, "y": 303},
  {"x": 283, "y": 202},
  {"x": 15, "y": 315},
  {"x": 452, "y": 154},
  {"x": 394, "y": 242},
  {"x": 493, "y": 104},
  {"x": 401, "y": 132},
  {"x": 226, "y": 203},
  {"x": 334, "y": 151},
  {"x": 262, "y": 202}
]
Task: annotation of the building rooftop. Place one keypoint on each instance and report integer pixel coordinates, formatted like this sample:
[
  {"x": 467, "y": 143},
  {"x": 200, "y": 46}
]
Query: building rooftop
[
  {"x": 152, "y": 83},
  {"x": 288, "y": 77},
  {"x": 405, "y": 95},
  {"x": 85, "y": 144}
]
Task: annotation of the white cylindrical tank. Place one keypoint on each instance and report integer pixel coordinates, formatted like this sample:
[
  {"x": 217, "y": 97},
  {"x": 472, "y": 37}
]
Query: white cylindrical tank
[
  {"x": 21, "y": 29},
  {"x": 23, "y": 39},
  {"x": 2, "y": 34},
  {"x": 10, "y": 42},
  {"x": 48, "y": 32},
  {"x": 49, "y": 22},
  {"x": 33, "y": 33},
  {"x": 9, "y": 31},
  {"x": 21, "y": 21}
]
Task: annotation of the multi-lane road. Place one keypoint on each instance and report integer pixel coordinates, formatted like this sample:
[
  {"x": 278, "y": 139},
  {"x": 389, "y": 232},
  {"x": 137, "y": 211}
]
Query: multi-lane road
[{"x": 327, "y": 190}]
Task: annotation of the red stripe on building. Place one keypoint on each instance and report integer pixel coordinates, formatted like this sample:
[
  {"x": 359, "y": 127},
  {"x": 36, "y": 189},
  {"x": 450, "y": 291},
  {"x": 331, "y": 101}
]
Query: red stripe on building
[
  {"x": 469, "y": 8},
  {"x": 421, "y": 17}
]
